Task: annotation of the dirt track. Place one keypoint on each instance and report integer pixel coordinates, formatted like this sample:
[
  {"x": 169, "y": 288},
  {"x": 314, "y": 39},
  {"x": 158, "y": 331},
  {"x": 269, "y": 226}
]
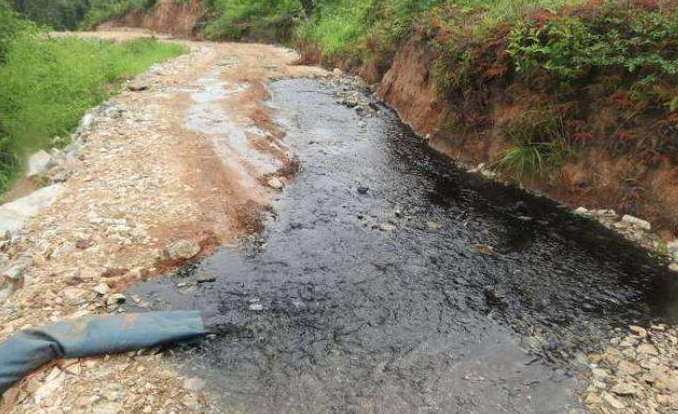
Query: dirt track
[{"x": 154, "y": 169}]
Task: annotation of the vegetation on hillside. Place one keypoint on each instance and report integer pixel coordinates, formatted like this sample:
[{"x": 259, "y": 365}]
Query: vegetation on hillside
[{"x": 48, "y": 83}]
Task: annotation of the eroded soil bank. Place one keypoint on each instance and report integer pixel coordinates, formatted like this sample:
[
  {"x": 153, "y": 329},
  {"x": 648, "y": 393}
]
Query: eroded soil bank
[
  {"x": 472, "y": 129},
  {"x": 389, "y": 281}
]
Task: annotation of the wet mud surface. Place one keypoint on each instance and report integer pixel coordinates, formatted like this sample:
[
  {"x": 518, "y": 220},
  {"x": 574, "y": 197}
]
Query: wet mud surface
[{"x": 391, "y": 282}]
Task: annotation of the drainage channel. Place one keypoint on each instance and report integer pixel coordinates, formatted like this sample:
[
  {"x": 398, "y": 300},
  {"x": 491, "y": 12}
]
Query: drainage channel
[{"x": 390, "y": 281}]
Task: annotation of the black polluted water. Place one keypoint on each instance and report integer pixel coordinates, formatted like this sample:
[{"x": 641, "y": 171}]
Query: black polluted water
[{"x": 389, "y": 281}]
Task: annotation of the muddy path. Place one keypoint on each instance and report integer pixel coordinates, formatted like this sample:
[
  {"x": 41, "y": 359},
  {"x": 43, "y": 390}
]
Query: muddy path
[
  {"x": 377, "y": 278},
  {"x": 388, "y": 281}
]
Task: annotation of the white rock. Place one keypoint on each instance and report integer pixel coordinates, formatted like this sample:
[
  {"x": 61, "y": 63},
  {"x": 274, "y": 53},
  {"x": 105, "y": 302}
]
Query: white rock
[
  {"x": 85, "y": 123},
  {"x": 636, "y": 222},
  {"x": 638, "y": 331},
  {"x": 102, "y": 289},
  {"x": 115, "y": 300},
  {"x": 582, "y": 211},
  {"x": 38, "y": 163},
  {"x": 13, "y": 215},
  {"x": 275, "y": 183}
]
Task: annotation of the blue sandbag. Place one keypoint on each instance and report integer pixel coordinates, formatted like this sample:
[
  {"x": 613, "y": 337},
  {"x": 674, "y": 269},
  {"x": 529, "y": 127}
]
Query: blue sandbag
[{"x": 30, "y": 349}]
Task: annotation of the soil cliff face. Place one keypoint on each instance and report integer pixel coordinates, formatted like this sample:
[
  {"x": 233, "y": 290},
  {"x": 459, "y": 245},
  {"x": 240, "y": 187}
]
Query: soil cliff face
[
  {"x": 471, "y": 132},
  {"x": 168, "y": 16}
]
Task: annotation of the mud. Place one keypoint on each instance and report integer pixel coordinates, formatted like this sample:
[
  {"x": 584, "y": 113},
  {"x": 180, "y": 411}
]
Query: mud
[{"x": 389, "y": 281}]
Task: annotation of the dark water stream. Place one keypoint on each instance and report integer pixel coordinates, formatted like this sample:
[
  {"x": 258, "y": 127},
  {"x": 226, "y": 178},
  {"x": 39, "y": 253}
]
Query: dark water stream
[{"x": 391, "y": 282}]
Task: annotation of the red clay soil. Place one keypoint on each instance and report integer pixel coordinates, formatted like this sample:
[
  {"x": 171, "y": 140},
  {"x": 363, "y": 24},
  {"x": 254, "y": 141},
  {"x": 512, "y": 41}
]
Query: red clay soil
[{"x": 590, "y": 178}]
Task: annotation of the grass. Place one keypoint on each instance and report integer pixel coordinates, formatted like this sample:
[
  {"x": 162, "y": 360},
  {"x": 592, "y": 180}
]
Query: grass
[{"x": 49, "y": 83}]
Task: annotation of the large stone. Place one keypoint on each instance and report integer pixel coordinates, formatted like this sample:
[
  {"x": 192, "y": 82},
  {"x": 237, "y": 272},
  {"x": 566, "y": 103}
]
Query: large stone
[
  {"x": 638, "y": 331},
  {"x": 181, "y": 250},
  {"x": 275, "y": 183},
  {"x": 628, "y": 368},
  {"x": 13, "y": 215},
  {"x": 626, "y": 389},
  {"x": 612, "y": 401},
  {"x": 38, "y": 163},
  {"x": 636, "y": 222},
  {"x": 12, "y": 278},
  {"x": 647, "y": 349}
]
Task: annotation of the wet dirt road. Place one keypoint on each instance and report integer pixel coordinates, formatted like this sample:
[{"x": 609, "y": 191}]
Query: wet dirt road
[{"x": 388, "y": 281}]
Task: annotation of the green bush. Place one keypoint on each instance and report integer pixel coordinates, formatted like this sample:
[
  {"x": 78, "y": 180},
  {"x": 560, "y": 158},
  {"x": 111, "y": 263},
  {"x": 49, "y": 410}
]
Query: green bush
[
  {"x": 57, "y": 14},
  {"x": 48, "y": 84},
  {"x": 264, "y": 20},
  {"x": 570, "y": 47}
]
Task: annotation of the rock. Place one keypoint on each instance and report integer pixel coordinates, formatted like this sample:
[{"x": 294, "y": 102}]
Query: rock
[
  {"x": 636, "y": 222},
  {"x": 102, "y": 289},
  {"x": 206, "y": 277},
  {"x": 181, "y": 250},
  {"x": 433, "y": 225},
  {"x": 599, "y": 373},
  {"x": 673, "y": 267},
  {"x": 256, "y": 307},
  {"x": 113, "y": 301},
  {"x": 74, "y": 278},
  {"x": 612, "y": 401},
  {"x": 13, "y": 215},
  {"x": 107, "y": 407},
  {"x": 363, "y": 190},
  {"x": 647, "y": 349},
  {"x": 275, "y": 183},
  {"x": 38, "y": 163},
  {"x": 338, "y": 72},
  {"x": 612, "y": 356},
  {"x": 77, "y": 296},
  {"x": 581, "y": 211},
  {"x": 668, "y": 400},
  {"x": 387, "y": 227},
  {"x": 194, "y": 384},
  {"x": 638, "y": 331},
  {"x": 138, "y": 86},
  {"x": 625, "y": 389},
  {"x": 85, "y": 123},
  {"x": 669, "y": 383},
  {"x": 628, "y": 368}
]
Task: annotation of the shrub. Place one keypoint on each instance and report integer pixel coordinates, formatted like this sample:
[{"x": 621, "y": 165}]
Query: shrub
[{"x": 264, "y": 20}]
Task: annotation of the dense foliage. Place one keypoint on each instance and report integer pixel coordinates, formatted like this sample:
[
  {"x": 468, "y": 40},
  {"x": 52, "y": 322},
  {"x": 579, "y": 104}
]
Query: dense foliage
[
  {"x": 48, "y": 83},
  {"x": 58, "y": 14}
]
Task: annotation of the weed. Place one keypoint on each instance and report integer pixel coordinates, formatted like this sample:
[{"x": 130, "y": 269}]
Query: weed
[{"x": 537, "y": 141}]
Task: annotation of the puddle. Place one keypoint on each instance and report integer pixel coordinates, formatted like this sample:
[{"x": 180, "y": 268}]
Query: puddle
[
  {"x": 208, "y": 117},
  {"x": 392, "y": 282}
]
